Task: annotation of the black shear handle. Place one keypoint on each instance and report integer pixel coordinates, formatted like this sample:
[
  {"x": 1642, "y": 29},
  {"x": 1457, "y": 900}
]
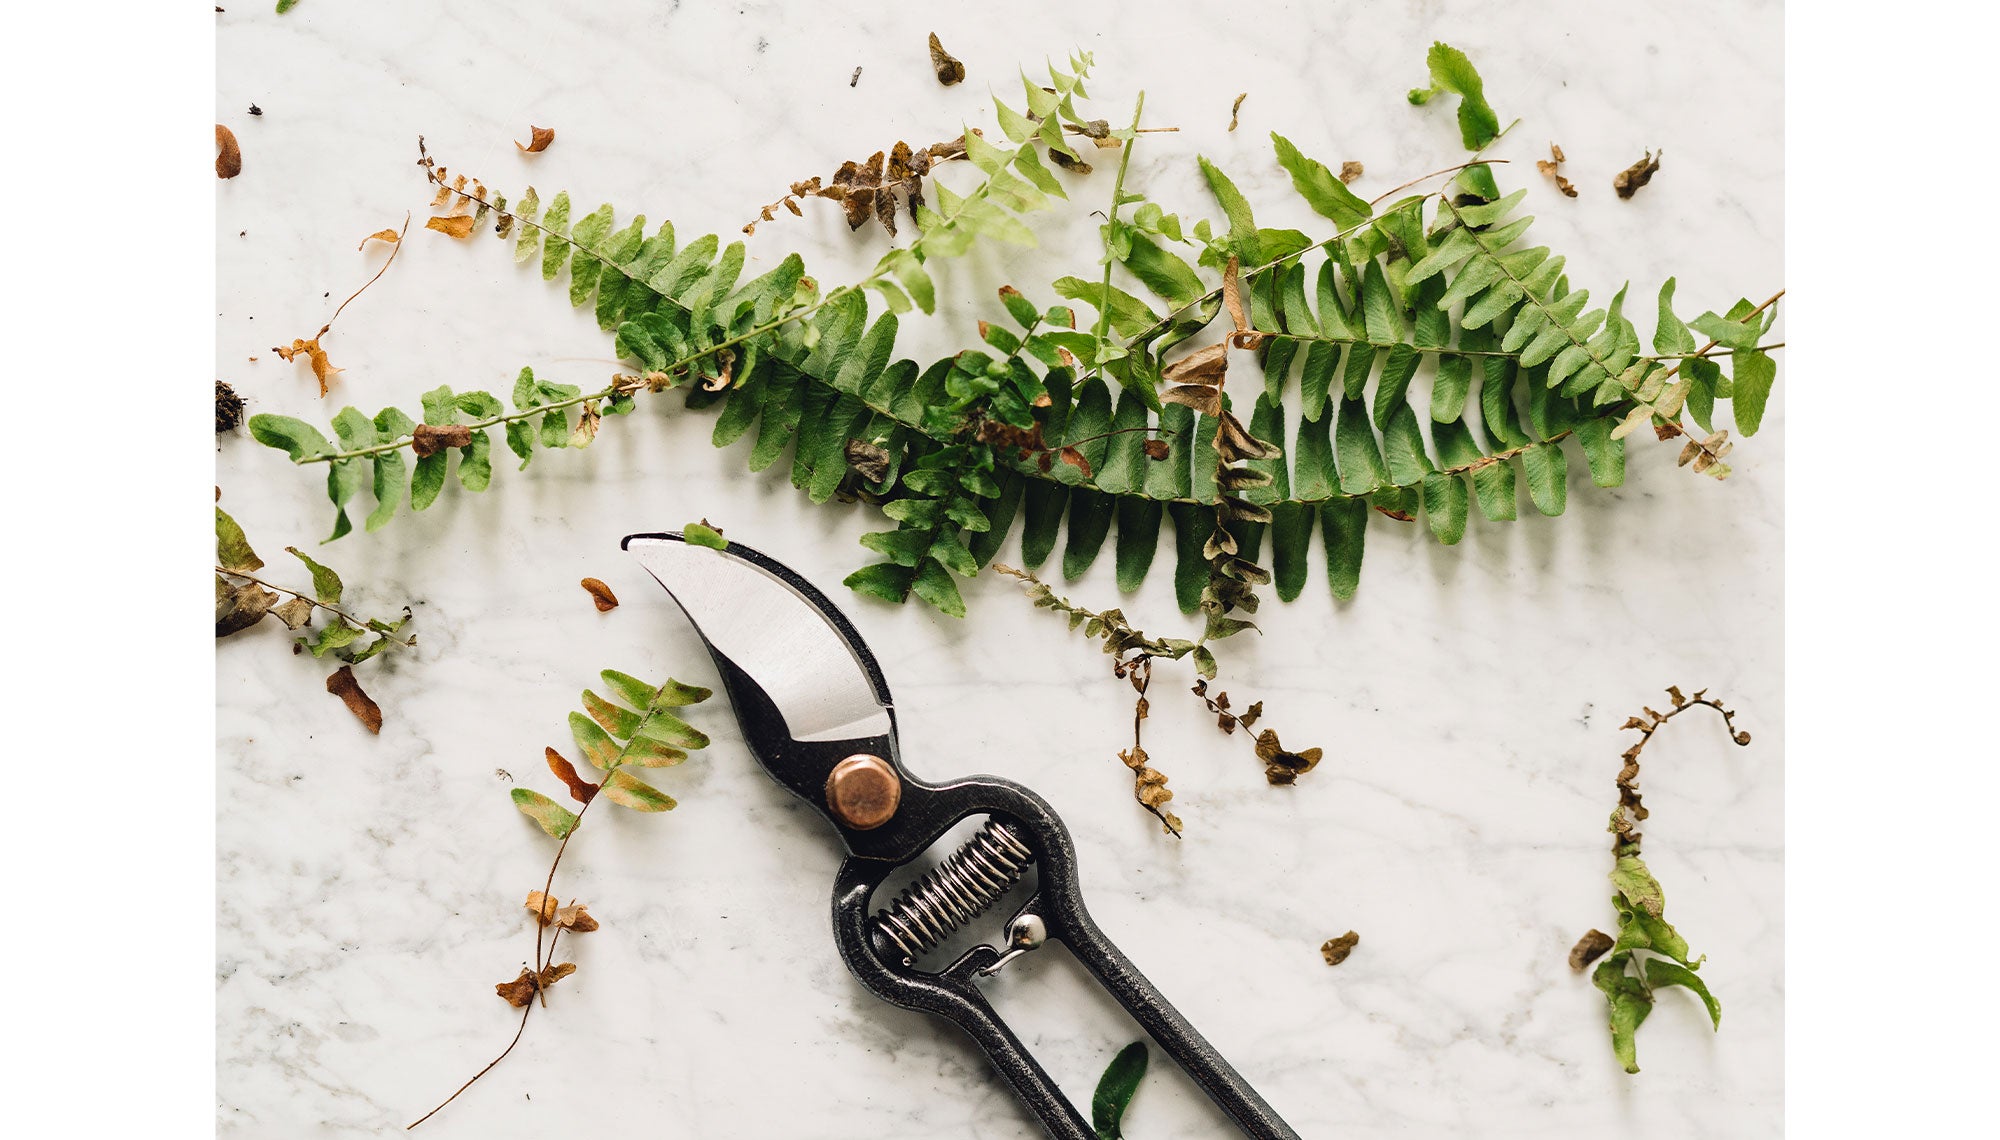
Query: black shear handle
[{"x": 1058, "y": 901}]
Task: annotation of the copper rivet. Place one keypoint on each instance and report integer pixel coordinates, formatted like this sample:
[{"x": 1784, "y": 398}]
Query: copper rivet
[{"x": 863, "y": 791}]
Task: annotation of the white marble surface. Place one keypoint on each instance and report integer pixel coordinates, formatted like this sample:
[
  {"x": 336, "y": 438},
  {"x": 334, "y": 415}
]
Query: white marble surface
[{"x": 1468, "y": 699}]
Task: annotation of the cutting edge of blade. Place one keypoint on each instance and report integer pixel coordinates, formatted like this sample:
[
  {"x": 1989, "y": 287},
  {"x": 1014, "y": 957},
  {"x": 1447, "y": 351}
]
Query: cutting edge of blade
[{"x": 808, "y": 593}]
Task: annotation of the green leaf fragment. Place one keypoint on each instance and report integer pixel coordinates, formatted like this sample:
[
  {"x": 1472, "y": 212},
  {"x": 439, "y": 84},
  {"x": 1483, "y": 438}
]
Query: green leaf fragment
[
  {"x": 1115, "y": 1089},
  {"x": 555, "y": 819},
  {"x": 623, "y": 788},
  {"x": 1451, "y": 71},
  {"x": 1753, "y": 374},
  {"x": 934, "y": 585},
  {"x": 326, "y": 583},
  {"x": 1548, "y": 477},
  {"x": 1661, "y": 973},
  {"x": 1630, "y": 1002},
  {"x": 1636, "y": 883},
  {"x": 232, "y": 549},
  {"x": 701, "y": 534}
]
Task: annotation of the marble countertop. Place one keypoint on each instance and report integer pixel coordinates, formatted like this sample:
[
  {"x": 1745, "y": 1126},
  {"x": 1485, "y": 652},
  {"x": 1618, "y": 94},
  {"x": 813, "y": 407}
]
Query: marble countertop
[{"x": 1468, "y": 699}]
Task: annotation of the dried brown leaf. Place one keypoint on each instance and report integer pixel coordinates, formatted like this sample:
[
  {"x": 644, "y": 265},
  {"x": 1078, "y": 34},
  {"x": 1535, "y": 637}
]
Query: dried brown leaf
[
  {"x": 1235, "y": 107},
  {"x": 1553, "y": 168},
  {"x": 1233, "y": 441},
  {"x": 1204, "y": 366},
  {"x": 238, "y": 606},
  {"x": 455, "y": 225},
  {"x": 1156, "y": 449},
  {"x": 1349, "y": 171},
  {"x": 539, "y": 139},
  {"x": 580, "y": 789},
  {"x": 323, "y": 369},
  {"x": 1232, "y": 299},
  {"x": 294, "y": 613},
  {"x": 949, "y": 70},
  {"x": 429, "y": 439},
  {"x": 1282, "y": 767},
  {"x": 1200, "y": 397},
  {"x": 1067, "y": 163},
  {"x": 552, "y": 974},
  {"x": 1589, "y": 948},
  {"x": 1629, "y": 180},
  {"x": 542, "y": 906},
  {"x": 1336, "y": 950},
  {"x": 390, "y": 236},
  {"x": 600, "y": 594},
  {"x": 518, "y": 992},
  {"x": 587, "y": 422},
  {"x": 867, "y": 460},
  {"x": 228, "y": 156},
  {"x": 576, "y": 919},
  {"x": 343, "y": 685}
]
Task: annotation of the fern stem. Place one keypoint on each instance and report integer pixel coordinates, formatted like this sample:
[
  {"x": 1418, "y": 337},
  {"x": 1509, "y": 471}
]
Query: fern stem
[
  {"x": 617, "y": 388},
  {"x": 1704, "y": 350},
  {"x": 334, "y": 610},
  {"x": 1713, "y": 348},
  {"x": 1216, "y": 293},
  {"x": 1103, "y": 324}
]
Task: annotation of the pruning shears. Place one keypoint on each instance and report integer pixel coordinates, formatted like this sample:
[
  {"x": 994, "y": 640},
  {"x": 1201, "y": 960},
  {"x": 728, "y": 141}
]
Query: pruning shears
[{"x": 815, "y": 711}]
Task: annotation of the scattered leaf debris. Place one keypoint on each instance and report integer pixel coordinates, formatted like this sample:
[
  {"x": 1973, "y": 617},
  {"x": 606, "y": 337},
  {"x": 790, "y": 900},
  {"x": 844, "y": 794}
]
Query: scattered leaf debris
[
  {"x": 867, "y": 460},
  {"x": 228, "y": 408},
  {"x": 343, "y": 685},
  {"x": 1282, "y": 767},
  {"x": 523, "y": 989},
  {"x": 1629, "y": 180},
  {"x": 575, "y": 917},
  {"x": 323, "y": 368},
  {"x": 1235, "y": 107},
  {"x": 855, "y": 78},
  {"x": 949, "y": 70},
  {"x": 1349, "y": 171},
  {"x": 600, "y": 594},
  {"x": 429, "y": 439},
  {"x": 1336, "y": 950},
  {"x": 539, "y": 139},
  {"x": 256, "y": 110},
  {"x": 454, "y": 225},
  {"x": 1648, "y": 954},
  {"x": 580, "y": 789},
  {"x": 228, "y": 156},
  {"x": 868, "y": 189},
  {"x": 312, "y": 350},
  {"x": 1552, "y": 166},
  {"x": 704, "y": 533},
  {"x": 1589, "y": 949}
]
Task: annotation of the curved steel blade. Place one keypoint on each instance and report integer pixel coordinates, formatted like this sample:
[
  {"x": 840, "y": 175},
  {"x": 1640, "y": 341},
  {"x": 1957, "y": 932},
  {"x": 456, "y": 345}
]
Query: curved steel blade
[{"x": 756, "y": 614}]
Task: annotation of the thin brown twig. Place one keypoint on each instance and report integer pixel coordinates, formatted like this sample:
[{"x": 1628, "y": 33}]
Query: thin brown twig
[
  {"x": 335, "y": 610},
  {"x": 1375, "y": 201},
  {"x": 1625, "y": 818},
  {"x": 372, "y": 280},
  {"x": 1703, "y": 350},
  {"x": 526, "y": 1010},
  {"x": 535, "y": 976}
]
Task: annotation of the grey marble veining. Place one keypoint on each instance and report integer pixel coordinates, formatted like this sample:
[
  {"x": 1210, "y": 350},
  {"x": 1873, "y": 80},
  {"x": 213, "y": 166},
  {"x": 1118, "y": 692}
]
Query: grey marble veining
[{"x": 1468, "y": 698}]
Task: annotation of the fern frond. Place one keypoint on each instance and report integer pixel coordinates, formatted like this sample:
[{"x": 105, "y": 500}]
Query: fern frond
[{"x": 1025, "y": 431}]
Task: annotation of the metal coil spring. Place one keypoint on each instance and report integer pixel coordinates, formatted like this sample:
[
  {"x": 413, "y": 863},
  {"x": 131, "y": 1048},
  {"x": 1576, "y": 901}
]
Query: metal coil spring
[{"x": 964, "y": 886}]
